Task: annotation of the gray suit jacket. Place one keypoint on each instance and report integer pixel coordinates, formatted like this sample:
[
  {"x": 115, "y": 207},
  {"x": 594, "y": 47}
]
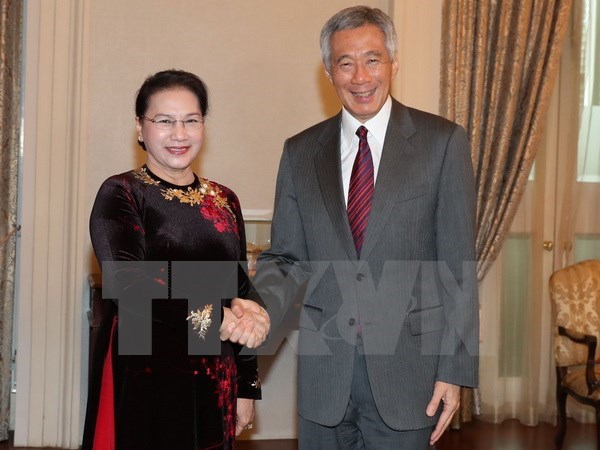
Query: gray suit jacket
[{"x": 414, "y": 288}]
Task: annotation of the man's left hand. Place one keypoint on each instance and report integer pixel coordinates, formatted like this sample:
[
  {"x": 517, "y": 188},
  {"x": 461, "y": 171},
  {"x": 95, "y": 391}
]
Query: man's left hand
[{"x": 450, "y": 395}]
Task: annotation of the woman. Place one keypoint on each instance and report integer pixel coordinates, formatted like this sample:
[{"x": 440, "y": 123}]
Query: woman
[{"x": 164, "y": 212}]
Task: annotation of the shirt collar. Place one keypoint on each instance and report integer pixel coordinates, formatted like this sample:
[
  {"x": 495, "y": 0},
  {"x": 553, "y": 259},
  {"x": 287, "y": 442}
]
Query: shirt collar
[{"x": 376, "y": 125}]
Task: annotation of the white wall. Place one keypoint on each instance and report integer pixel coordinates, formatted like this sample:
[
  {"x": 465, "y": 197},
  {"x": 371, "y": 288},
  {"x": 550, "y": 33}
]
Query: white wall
[
  {"x": 85, "y": 60},
  {"x": 259, "y": 58},
  {"x": 419, "y": 26}
]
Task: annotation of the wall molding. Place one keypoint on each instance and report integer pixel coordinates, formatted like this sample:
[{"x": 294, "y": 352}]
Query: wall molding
[{"x": 51, "y": 276}]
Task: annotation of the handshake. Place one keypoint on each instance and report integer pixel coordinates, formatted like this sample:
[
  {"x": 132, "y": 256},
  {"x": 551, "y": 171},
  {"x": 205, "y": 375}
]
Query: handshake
[{"x": 245, "y": 323}]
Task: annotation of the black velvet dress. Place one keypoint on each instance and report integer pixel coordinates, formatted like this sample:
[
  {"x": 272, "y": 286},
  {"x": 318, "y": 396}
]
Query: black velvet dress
[{"x": 168, "y": 399}]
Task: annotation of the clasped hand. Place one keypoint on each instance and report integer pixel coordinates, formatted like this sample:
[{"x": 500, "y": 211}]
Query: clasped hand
[{"x": 245, "y": 323}]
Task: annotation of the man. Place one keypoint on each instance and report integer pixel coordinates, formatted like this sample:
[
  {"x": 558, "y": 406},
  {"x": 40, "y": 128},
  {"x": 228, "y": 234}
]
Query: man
[{"x": 373, "y": 228}]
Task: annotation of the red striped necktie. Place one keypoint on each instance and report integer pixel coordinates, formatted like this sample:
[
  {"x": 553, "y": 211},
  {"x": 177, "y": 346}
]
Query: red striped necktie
[{"x": 360, "y": 194}]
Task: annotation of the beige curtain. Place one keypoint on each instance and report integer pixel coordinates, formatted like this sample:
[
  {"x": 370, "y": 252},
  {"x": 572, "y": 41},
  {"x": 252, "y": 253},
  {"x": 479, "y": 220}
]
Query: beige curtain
[
  {"x": 10, "y": 80},
  {"x": 517, "y": 374},
  {"x": 499, "y": 62},
  {"x": 516, "y": 371}
]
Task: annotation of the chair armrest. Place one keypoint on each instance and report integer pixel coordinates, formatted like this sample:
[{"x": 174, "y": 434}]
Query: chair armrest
[{"x": 591, "y": 342}]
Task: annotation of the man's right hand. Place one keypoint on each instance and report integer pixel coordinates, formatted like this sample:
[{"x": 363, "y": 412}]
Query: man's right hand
[{"x": 246, "y": 323}]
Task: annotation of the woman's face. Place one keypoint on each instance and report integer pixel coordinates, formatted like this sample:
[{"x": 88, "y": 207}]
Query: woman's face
[{"x": 172, "y": 151}]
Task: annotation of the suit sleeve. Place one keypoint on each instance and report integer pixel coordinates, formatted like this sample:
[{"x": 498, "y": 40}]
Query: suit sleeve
[
  {"x": 455, "y": 241},
  {"x": 282, "y": 271}
]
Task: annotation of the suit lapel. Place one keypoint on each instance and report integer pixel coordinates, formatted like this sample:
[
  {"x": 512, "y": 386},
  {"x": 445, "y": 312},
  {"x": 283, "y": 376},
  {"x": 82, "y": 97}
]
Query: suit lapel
[
  {"x": 390, "y": 176},
  {"x": 328, "y": 168}
]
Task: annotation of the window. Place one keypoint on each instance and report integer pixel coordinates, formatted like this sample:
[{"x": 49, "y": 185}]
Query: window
[{"x": 588, "y": 156}]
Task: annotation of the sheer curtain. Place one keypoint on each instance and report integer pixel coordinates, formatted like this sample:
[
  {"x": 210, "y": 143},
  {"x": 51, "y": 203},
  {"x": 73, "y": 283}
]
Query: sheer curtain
[
  {"x": 516, "y": 368},
  {"x": 499, "y": 63},
  {"x": 10, "y": 80}
]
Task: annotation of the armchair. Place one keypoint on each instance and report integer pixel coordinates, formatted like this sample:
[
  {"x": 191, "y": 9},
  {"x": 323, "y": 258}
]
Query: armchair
[{"x": 575, "y": 295}]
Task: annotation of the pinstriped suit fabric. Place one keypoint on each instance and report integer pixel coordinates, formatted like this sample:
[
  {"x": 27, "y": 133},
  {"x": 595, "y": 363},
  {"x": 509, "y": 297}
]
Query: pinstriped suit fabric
[{"x": 419, "y": 236}]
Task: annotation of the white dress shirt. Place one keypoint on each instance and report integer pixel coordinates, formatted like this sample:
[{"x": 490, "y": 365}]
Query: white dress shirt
[{"x": 377, "y": 127}]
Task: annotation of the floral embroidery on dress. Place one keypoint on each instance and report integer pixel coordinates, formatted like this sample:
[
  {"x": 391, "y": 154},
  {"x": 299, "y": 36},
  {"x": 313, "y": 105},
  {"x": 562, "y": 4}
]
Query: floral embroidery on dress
[
  {"x": 129, "y": 198},
  {"x": 223, "y": 371},
  {"x": 214, "y": 205},
  {"x": 256, "y": 383},
  {"x": 221, "y": 221},
  {"x": 143, "y": 176}
]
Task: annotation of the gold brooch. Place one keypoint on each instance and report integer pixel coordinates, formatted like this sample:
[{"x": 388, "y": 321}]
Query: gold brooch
[{"x": 201, "y": 320}]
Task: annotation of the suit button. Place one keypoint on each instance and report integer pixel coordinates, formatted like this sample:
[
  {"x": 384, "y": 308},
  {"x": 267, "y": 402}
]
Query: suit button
[
  {"x": 351, "y": 321},
  {"x": 360, "y": 276}
]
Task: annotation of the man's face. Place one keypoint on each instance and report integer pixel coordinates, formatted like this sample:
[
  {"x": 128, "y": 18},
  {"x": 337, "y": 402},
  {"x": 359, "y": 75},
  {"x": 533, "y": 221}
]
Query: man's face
[{"x": 361, "y": 70}]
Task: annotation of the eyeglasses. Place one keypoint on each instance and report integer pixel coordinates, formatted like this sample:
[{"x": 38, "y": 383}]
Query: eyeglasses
[{"x": 166, "y": 123}]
